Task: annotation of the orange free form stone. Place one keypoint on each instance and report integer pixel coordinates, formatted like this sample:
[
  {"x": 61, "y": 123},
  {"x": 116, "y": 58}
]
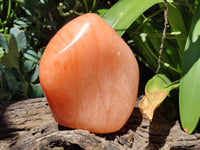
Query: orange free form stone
[{"x": 89, "y": 76}]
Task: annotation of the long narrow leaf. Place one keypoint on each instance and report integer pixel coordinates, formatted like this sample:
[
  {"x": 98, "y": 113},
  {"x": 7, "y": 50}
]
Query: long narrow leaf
[
  {"x": 177, "y": 24},
  {"x": 125, "y": 12},
  {"x": 190, "y": 82}
]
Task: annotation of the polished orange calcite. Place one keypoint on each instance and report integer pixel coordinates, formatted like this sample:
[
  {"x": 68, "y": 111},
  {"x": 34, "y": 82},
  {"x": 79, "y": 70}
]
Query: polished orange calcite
[{"x": 89, "y": 76}]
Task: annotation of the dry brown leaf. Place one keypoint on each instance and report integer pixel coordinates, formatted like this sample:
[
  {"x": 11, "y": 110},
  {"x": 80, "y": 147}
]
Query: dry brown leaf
[
  {"x": 150, "y": 102},
  {"x": 156, "y": 90}
]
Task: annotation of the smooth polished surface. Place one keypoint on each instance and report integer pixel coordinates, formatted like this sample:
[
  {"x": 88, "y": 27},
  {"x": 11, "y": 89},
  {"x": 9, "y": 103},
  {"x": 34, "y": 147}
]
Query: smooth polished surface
[{"x": 89, "y": 76}]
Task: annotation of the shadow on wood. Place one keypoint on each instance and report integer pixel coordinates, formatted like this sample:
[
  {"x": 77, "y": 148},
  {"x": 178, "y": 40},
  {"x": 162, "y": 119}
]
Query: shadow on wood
[{"x": 159, "y": 128}]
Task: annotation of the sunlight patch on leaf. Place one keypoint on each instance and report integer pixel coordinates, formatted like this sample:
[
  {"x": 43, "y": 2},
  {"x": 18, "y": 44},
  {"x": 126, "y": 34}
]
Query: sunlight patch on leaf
[{"x": 196, "y": 31}]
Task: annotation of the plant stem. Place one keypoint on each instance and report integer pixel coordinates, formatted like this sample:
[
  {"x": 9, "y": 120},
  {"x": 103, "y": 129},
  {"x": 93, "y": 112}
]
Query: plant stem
[
  {"x": 93, "y": 4},
  {"x": 171, "y": 35},
  {"x": 164, "y": 35},
  {"x": 8, "y": 12},
  {"x": 86, "y": 5}
]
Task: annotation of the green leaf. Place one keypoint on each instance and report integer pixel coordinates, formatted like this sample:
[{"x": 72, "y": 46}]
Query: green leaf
[
  {"x": 121, "y": 15},
  {"x": 14, "y": 84},
  {"x": 11, "y": 80},
  {"x": 189, "y": 98},
  {"x": 31, "y": 55},
  {"x": 102, "y": 12},
  {"x": 14, "y": 31},
  {"x": 35, "y": 90},
  {"x": 11, "y": 59},
  {"x": 34, "y": 76},
  {"x": 28, "y": 65},
  {"x": 1, "y": 52},
  {"x": 21, "y": 40},
  {"x": 25, "y": 88},
  {"x": 177, "y": 24},
  {"x": 5, "y": 95},
  {"x": 156, "y": 90},
  {"x": 22, "y": 22},
  {"x": 148, "y": 47},
  {"x": 40, "y": 52},
  {"x": 3, "y": 42}
]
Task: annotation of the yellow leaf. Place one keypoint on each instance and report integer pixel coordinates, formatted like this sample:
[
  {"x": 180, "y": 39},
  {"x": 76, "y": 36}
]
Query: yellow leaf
[
  {"x": 156, "y": 90},
  {"x": 150, "y": 102}
]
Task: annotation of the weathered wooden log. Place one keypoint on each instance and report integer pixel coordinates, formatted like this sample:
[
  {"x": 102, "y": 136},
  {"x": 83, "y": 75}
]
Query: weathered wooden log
[{"x": 28, "y": 124}]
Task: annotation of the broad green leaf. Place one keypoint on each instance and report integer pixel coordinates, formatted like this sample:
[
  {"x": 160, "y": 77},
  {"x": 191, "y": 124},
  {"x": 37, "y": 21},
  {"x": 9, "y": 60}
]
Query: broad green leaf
[
  {"x": 28, "y": 65},
  {"x": 101, "y": 12},
  {"x": 35, "y": 90},
  {"x": 3, "y": 43},
  {"x": 11, "y": 59},
  {"x": 21, "y": 40},
  {"x": 14, "y": 31},
  {"x": 156, "y": 90},
  {"x": 189, "y": 98},
  {"x": 121, "y": 15},
  {"x": 1, "y": 52},
  {"x": 177, "y": 24}
]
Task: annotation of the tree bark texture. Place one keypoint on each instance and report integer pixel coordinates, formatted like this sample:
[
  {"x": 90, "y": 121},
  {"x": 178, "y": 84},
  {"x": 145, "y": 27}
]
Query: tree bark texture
[{"x": 29, "y": 125}]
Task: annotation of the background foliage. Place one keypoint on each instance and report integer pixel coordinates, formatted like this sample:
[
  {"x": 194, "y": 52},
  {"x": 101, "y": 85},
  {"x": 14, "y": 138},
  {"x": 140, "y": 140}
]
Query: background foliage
[{"x": 25, "y": 29}]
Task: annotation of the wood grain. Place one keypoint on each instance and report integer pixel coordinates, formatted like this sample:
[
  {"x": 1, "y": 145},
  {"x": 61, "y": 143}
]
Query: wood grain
[{"x": 28, "y": 124}]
